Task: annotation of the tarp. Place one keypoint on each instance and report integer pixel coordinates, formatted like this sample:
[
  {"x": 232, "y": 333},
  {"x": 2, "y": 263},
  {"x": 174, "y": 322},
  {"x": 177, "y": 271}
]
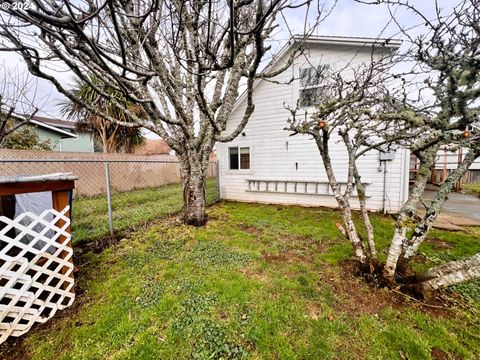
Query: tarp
[{"x": 35, "y": 203}]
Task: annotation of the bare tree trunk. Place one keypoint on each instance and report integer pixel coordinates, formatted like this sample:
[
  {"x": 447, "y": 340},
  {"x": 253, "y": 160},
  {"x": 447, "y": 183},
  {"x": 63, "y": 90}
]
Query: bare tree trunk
[
  {"x": 342, "y": 201},
  {"x": 193, "y": 173},
  {"x": 422, "y": 229},
  {"x": 408, "y": 210},
  {"x": 361, "y": 192},
  {"x": 452, "y": 273}
]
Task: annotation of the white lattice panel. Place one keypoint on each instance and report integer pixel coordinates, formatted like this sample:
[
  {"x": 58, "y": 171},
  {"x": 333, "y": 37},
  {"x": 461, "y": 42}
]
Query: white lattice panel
[{"x": 36, "y": 270}]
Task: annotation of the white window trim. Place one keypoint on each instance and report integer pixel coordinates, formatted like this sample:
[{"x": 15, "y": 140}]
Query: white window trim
[
  {"x": 239, "y": 171},
  {"x": 321, "y": 84}
]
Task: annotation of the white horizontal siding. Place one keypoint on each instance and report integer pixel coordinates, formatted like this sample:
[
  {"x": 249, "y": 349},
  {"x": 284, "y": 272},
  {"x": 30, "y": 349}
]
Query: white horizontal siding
[{"x": 271, "y": 160}]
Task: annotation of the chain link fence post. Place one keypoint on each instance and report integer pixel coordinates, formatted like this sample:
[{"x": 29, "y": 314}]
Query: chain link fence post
[{"x": 109, "y": 199}]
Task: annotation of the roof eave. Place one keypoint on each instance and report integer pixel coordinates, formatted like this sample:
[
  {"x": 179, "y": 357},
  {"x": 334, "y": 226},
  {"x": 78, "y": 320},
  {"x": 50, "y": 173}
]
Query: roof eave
[
  {"x": 350, "y": 41},
  {"x": 52, "y": 128}
]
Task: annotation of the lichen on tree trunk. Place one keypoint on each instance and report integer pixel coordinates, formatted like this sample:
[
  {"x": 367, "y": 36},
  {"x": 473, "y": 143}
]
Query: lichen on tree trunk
[
  {"x": 433, "y": 210},
  {"x": 193, "y": 173},
  {"x": 454, "y": 272},
  {"x": 408, "y": 211}
]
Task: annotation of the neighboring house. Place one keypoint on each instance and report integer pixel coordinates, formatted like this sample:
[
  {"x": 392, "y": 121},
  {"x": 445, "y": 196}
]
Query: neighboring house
[
  {"x": 62, "y": 134},
  {"x": 154, "y": 147},
  {"x": 447, "y": 161},
  {"x": 265, "y": 164}
]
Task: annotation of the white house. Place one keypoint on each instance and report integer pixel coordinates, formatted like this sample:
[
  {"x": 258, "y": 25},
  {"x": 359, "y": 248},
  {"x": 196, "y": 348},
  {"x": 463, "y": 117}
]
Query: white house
[{"x": 267, "y": 165}]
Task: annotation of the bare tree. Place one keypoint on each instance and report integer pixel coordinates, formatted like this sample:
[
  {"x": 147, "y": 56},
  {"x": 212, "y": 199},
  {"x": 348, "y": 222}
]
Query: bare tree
[
  {"x": 352, "y": 112},
  {"x": 16, "y": 106},
  {"x": 449, "y": 55},
  {"x": 370, "y": 110},
  {"x": 182, "y": 61}
]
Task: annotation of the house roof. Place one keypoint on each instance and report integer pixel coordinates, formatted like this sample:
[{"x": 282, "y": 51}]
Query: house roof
[
  {"x": 387, "y": 43},
  {"x": 63, "y": 127},
  {"x": 64, "y": 133},
  {"x": 68, "y": 124},
  {"x": 153, "y": 147},
  {"x": 350, "y": 40}
]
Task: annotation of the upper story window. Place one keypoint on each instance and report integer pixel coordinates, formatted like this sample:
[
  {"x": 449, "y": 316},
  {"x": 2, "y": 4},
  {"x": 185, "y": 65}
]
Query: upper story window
[
  {"x": 312, "y": 85},
  {"x": 239, "y": 158}
]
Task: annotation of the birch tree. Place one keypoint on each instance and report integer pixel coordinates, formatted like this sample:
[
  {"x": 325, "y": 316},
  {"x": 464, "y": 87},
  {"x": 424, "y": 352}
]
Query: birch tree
[
  {"x": 183, "y": 62},
  {"x": 351, "y": 112},
  {"x": 449, "y": 55},
  {"x": 376, "y": 109}
]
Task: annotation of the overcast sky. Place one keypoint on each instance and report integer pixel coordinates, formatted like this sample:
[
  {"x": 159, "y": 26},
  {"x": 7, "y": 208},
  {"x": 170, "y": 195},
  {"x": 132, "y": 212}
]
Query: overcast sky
[{"x": 348, "y": 18}]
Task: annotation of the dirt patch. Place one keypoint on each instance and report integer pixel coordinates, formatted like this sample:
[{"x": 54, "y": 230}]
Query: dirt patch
[
  {"x": 295, "y": 238},
  {"x": 438, "y": 244},
  {"x": 419, "y": 259},
  {"x": 13, "y": 348},
  {"x": 438, "y": 354},
  {"x": 287, "y": 256},
  {"x": 253, "y": 274},
  {"x": 358, "y": 297},
  {"x": 250, "y": 229}
]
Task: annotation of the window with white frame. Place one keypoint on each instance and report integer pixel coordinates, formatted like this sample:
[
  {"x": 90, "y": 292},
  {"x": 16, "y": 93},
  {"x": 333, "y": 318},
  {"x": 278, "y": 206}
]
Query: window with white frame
[
  {"x": 312, "y": 85},
  {"x": 239, "y": 158}
]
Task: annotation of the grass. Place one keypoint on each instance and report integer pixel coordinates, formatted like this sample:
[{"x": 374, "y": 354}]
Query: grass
[
  {"x": 472, "y": 189},
  {"x": 129, "y": 209},
  {"x": 258, "y": 282}
]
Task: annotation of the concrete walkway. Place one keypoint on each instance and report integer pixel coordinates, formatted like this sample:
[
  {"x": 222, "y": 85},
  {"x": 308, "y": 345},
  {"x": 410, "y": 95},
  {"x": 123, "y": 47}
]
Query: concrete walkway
[{"x": 459, "y": 211}]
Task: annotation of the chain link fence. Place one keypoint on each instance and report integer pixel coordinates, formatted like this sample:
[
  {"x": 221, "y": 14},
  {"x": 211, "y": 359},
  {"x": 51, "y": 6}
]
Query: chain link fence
[{"x": 112, "y": 196}]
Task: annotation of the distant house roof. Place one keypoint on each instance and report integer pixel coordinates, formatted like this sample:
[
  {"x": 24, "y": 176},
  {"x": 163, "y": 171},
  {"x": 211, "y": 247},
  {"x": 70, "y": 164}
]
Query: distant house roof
[
  {"x": 59, "y": 123},
  {"x": 153, "y": 147},
  {"x": 348, "y": 40},
  {"x": 63, "y": 127}
]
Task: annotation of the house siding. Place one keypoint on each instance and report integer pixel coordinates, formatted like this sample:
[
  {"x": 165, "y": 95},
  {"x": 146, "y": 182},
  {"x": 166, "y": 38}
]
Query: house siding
[
  {"x": 48, "y": 135},
  {"x": 82, "y": 143},
  {"x": 275, "y": 155}
]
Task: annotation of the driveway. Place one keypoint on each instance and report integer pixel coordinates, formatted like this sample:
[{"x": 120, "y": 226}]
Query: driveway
[{"x": 458, "y": 211}]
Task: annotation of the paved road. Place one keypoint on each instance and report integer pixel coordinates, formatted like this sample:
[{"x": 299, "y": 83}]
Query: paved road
[{"x": 458, "y": 204}]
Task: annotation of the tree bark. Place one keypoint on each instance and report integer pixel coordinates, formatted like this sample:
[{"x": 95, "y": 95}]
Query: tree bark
[
  {"x": 193, "y": 173},
  {"x": 422, "y": 229},
  {"x": 361, "y": 192},
  {"x": 342, "y": 201},
  {"x": 452, "y": 273},
  {"x": 409, "y": 209}
]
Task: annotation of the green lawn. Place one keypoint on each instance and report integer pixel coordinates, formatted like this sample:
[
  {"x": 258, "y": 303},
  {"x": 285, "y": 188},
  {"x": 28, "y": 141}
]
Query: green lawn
[
  {"x": 472, "y": 189},
  {"x": 129, "y": 209},
  {"x": 259, "y": 282}
]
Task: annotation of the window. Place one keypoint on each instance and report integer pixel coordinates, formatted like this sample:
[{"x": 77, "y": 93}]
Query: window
[
  {"x": 312, "y": 87},
  {"x": 239, "y": 158}
]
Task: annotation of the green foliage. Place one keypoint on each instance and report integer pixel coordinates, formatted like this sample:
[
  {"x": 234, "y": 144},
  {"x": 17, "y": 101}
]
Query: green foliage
[
  {"x": 206, "y": 254},
  {"x": 469, "y": 291},
  {"x": 174, "y": 291},
  {"x": 473, "y": 189},
  {"x": 25, "y": 138},
  {"x": 113, "y": 137}
]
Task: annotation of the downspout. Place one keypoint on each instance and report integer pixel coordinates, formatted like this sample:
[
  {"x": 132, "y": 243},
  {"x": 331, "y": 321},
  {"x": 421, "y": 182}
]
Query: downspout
[{"x": 384, "y": 186}]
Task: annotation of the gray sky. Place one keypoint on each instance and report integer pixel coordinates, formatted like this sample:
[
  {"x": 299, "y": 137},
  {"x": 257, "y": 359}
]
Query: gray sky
[{"x": 348, "y": 18}]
